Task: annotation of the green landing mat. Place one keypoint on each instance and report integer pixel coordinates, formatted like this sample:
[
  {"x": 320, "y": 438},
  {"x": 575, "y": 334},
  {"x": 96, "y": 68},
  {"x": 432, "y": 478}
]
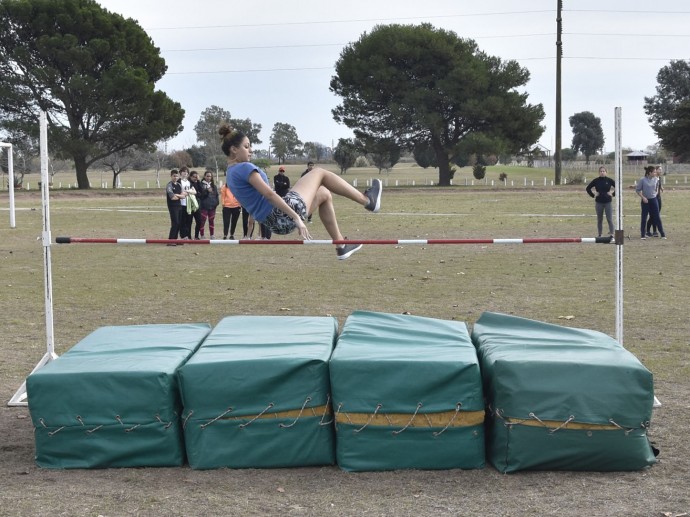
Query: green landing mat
[
  {"x": 256, "y": 394},
  {"x": 407, "y": 394},
  {"x": 113, "y": 400},
  {"x": 562, "y": 398}
]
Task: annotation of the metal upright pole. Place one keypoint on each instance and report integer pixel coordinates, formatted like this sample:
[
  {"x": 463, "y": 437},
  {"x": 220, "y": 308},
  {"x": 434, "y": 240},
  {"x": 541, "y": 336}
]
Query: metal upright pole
[
  {"x": 620, "y": 234},
  {"x": 10, "y": 186},
  {"x": 10, "y": 167},
  {"x": 20, "y": 397},
  {"x": 559, "y": 55},
  {"x": 46, "y": 236}
]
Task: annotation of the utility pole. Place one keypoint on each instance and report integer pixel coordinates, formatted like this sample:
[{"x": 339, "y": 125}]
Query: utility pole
[{"x": 559, "y": 55}]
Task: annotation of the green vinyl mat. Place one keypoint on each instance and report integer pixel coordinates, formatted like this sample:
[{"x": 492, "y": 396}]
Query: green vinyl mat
[
  {"x": 407, "y": 393},
  {"x": 562, "y": 398},
  {"x": 113, "y": 400},
  {"x": 257, "y": 394}
]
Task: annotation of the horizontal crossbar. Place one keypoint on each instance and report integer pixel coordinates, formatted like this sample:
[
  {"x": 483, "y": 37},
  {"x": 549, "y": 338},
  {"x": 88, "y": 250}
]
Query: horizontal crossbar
[{"x": 545, "y": 240}]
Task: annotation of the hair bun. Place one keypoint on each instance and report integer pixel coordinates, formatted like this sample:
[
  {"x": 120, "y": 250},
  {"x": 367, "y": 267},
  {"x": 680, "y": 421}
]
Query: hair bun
[{"x": 224, "y": 130}]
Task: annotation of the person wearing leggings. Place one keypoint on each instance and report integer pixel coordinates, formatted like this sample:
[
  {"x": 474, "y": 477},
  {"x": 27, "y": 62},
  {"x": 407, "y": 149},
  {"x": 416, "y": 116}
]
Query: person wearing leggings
[
  {"x": 647, "y": 190},
  {"x": 231, "y": 212}
]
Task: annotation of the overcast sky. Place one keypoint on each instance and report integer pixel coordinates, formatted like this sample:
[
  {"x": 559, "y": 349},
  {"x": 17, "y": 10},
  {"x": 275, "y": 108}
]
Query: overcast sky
[{"x": 272, "y": 61}]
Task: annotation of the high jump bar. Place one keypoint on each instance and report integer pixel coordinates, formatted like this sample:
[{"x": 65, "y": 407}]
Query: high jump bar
[{"x": 313, "y": 242}]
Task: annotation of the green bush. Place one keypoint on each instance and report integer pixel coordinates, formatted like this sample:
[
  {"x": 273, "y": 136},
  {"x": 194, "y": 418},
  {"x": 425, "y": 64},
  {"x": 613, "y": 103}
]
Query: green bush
[
  {"x": 575, "y": 177},
  {"x": 362, "y": 161},
  {"x": 478, "y": 171}
]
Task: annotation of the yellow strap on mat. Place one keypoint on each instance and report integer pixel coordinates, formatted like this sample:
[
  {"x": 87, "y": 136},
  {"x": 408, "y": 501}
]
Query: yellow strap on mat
[
  {"x": 429, "y": 420},
  {"x": 317, "y": 411},
  {"x": 554, "y": 424}
]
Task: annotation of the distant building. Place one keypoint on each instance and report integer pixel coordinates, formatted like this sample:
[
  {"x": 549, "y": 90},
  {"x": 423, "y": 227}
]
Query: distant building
[
  {"x": 637, "y": 157},
  {"x": 537, "y": 156}
]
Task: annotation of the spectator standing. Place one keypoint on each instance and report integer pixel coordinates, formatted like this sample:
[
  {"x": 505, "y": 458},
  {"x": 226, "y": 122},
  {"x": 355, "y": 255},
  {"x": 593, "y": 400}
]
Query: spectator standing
[
  {"x": 646, "y": 188},
  {"x": 231, "y": 212},
  {"x": 310, "y": 166},
  {"x": 174, "y": 196},
  {"x": 281, "y": 183},
  {"x": 605, "y": 188},
  {"x": 652, "y": 230},
  {"x": 208, "y": 204},
  {"x": 185, "y": 228},
  {"x": 194, "y": 185},
  {"x": 247, "y": 224},
  {"x": 265, "y": 232}
]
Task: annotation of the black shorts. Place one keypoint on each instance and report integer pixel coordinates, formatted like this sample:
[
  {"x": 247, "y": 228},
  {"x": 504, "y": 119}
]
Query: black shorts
[{"x": 281, "y": 223}]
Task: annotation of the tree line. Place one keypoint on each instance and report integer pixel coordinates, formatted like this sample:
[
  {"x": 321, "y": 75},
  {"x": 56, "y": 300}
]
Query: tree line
[{"x": 402, "y": 88}]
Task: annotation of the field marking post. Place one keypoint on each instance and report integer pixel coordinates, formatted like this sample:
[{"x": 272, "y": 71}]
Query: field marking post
[
  {"x": 20, "y": 397},
  {"x": 10, "y": 185}
]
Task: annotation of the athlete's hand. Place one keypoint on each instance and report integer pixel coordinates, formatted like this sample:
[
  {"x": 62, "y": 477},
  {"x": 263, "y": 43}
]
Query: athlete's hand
[{"x": 303, "y": 231}]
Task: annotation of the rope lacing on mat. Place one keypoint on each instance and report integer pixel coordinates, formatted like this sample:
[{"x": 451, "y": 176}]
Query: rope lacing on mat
[
  {"x": 306, "y": 401},
  {"x": 270, "y": 405},
  {"x": 378, "y": 406},
  {"x": 419, "y": 405},
  {"x": 203, "y": 426},
  {"x": 337, "y": 412},
  {"x": 554, "y": 426},
  {"x": 50, "y": 433},
  {"x": 166, "y": 424},
  {"x": 325, "y": 412},
  {"x": 100, "y": 426},
  {"x": 184, "y": 421},
  {"x": 295, "y": 414},
  {"x": 441, "y": 421},
  {"x": 457, "y": 410},
  {"x": 643, "y": 425}
]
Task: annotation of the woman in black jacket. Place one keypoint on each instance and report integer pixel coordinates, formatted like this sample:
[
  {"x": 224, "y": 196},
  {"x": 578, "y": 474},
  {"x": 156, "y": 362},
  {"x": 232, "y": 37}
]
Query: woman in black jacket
[
  {"x": 173, "y": 194},
  {"x": 207, "y": 203},
  {"x": 605, "y": 188}
]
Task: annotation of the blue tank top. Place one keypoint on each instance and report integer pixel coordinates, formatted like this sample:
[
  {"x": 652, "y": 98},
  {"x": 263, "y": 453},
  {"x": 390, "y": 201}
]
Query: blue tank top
[{"x": 237, "y": 179}]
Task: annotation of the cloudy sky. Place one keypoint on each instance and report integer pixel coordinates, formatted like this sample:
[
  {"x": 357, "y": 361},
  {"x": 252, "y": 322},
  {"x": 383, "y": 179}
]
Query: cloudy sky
[{"x": 272, "y": 61}]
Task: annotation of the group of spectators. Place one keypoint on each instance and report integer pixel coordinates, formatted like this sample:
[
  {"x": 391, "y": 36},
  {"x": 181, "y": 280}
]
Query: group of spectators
[
  {"x": 649, "y": 188},
  {"x": 193, "y": 201}
]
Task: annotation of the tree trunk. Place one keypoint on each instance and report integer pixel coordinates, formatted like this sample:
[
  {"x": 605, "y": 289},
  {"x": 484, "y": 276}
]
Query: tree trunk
[
  {"x": 82, "y": 178},
  {"x": 444, "y": 173},
  {"x": 443, "y": 162}
]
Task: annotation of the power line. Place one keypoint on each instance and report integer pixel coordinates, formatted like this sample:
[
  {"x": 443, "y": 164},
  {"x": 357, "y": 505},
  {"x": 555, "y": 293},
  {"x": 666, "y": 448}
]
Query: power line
[
  {"x": 312, "y": 45},
  {"x": 367, "y": 20},
  {"x": 370, "y": 20},
  {"x": 623, "y": 12},
  {"x": 500, "y": 36},
  {"x": 295, "y": 69},
  {"x": 302, "y": 69},
  {"x": 626, "y": 35},
  {"x": 255, "y": 47},
  {"x": 601, "y": 58}
]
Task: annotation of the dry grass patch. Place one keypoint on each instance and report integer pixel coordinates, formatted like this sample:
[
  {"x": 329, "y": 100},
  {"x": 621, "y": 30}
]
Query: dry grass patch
[{"x": 97, "y": 285}]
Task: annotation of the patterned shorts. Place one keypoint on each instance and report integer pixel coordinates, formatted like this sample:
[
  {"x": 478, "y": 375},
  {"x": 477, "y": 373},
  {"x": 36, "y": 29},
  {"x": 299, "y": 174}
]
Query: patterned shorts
[{"x": 281, "y": 223}]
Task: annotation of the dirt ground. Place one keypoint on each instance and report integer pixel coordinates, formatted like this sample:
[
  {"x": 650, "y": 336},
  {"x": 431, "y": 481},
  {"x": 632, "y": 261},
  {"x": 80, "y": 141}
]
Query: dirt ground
[
  {"x": 26, "y": 490},
  {"x": 659, "y": 490}
]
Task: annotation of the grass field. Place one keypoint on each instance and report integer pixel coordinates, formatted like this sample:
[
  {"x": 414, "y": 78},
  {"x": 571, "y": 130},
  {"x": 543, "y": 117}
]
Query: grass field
[
  {"x": 402, "y": 175},
  {"x": 567, "y": 284}
]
